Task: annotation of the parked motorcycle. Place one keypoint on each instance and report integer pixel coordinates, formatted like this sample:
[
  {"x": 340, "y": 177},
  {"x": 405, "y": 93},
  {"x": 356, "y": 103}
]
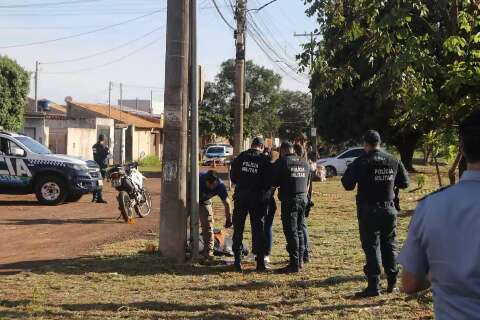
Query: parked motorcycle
[{"x": 133, "y": 196}]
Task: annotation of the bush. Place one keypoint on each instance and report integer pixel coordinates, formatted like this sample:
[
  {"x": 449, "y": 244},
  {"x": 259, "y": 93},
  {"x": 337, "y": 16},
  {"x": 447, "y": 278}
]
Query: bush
[{"x": 150, "y": 161}]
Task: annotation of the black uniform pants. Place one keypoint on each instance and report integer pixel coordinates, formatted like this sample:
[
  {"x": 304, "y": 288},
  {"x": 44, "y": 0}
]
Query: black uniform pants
[
  {"x": 293, "y": 216},
  {"x": 249, "y": 203},
  {"x": 377, "y": 225}
]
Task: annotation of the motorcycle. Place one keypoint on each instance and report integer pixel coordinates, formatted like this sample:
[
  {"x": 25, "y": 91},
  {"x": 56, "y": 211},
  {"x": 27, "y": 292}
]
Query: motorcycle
[{"x": 133, "y": 196}]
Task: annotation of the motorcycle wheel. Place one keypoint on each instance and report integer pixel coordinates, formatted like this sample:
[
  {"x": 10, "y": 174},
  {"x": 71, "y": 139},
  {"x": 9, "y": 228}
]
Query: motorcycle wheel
[
  {"x": 125, "y": 204},
  {"x": 145, "y": 207}
]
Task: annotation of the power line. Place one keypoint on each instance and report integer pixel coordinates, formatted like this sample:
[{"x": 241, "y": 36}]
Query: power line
[
  {"x": 46, "y": 4},
  {"x": 108, "y": 63},
  {"x": 105, "y": 51},
  {"x": 222, "y": 16},
  {"x": 82, "y": 33}
]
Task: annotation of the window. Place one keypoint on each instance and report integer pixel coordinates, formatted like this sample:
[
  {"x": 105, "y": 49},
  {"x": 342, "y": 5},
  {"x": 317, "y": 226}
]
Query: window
[
  {"x": 10, "y": 148},
  {"x": 33, "y": 145},
  {"x": 355, "y": 153},
  {"x": 216, "y": 150}
]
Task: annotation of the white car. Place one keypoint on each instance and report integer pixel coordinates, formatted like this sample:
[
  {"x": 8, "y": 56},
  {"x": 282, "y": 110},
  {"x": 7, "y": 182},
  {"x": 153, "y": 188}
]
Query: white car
[{"x": 337, "y": 165}]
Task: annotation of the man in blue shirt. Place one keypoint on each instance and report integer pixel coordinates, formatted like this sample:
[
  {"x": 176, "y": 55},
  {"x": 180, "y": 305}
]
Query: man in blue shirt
[
  {"x": 443, "y": 244},
  {"x": 210, "y": 186}
]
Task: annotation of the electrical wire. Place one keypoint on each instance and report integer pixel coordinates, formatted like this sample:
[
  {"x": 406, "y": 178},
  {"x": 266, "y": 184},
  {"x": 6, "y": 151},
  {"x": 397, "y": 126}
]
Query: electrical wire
[
  {"x": 82, "y": 33},
  {"x": 108, "y": 63},
  {"x": 46, "y": 4},
  {"x": 105, "y": 51},
  {"x": 222, "y": 16}
]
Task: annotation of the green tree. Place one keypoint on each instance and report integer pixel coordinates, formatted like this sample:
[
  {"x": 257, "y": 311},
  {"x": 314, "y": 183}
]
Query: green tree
[
  {"x": 295, "y": 114},
  {"x": 405, "y": 67},
  {"x": 261, "y": 118},
  {"x": 14, "y": 85}
]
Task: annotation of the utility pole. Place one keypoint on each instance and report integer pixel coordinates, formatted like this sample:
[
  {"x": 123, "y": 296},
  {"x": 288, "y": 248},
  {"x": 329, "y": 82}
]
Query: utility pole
[
  {"x": 151, "y": 101},
  {"x": 313, "y": 133},
  {"x": 121, "y": 100},
  {"x": 36, "y": 85},
  {"x": 173, "y": 217},
  {"x": 110, "y": 99},
  {"x": 194, "y": 161},
  {"x": 241, "y": 18}
]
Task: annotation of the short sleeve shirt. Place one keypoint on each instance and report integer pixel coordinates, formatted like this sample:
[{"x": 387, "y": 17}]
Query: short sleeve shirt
[
  {"x": 444, "y": 240},
  {"x": 207, "y": 194}
]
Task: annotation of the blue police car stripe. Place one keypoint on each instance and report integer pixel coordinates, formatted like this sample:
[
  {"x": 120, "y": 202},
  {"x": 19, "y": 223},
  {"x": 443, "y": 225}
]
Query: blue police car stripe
[{"x": 47, "y": 162}]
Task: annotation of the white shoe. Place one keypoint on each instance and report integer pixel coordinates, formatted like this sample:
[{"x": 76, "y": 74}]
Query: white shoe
[{"x": 266, "y": 259}]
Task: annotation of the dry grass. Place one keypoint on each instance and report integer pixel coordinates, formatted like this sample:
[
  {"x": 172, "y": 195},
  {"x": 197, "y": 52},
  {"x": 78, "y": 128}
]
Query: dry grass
[{"x": 118, "y": 282}]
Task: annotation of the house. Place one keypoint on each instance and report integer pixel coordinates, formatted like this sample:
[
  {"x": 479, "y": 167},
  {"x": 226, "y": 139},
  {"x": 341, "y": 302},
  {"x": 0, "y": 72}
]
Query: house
[
  {"x": 50, "y": 125},
  {"x": 131, "y": 134}
]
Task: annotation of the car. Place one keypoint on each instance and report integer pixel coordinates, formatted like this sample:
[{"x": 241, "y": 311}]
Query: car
[
  {"x": 337, "y": 165},
  {"x": 218, "y": 153},
  {"x": 27, "y": 167}
]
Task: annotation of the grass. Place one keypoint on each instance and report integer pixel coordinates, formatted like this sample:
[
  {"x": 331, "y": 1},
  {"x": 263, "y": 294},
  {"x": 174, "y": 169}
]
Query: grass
[{"x": 119, "y": 282}]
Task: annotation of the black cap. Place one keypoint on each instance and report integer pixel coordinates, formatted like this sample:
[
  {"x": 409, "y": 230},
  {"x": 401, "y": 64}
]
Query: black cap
[
  {"x": 101, "y": 137},
  {"x": 471, "y": 124},
  {"x": 258, "y": 141},
  {"x": 372, "y": 137}
]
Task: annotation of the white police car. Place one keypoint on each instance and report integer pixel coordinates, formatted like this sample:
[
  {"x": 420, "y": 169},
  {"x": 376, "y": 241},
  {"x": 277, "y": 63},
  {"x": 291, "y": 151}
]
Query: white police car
[{"x": 26, "y": 167}]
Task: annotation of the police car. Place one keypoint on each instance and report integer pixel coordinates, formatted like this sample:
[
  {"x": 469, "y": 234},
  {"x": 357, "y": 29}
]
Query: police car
[{"x": 26, "y": 167}]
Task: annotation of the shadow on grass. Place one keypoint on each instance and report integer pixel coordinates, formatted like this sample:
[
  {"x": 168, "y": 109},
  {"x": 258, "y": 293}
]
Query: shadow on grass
[{"x": 139, "y": 264}]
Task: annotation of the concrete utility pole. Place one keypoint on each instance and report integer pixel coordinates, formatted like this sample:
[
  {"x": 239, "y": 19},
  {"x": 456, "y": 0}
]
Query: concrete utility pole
[
  {"x": 313, "y": 133},
  {"x": 36, "y": 85},
  {"x": 194, "y": 161},
  {"x": 241, "y": 17},
  {"x": 121, "y": 100},
  {"x": 151, "y": 101},
  {"x": 173, "y": 217}
]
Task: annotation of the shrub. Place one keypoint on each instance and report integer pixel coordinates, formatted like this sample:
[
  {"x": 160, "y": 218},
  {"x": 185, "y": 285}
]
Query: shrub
[{"x": 150, "y": 161}]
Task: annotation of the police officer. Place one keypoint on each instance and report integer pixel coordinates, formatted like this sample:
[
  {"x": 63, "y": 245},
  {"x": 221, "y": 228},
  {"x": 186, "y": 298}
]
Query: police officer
[
  {"x": 292, "y": 177},
  {"x": 100, "y": 155},
  {"x": 377, "y": 174},
  {"x": 251, "y": 173},
  {"x": 442, "y": 246}
]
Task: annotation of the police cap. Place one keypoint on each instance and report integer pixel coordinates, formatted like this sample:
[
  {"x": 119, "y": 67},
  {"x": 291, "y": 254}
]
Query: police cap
[
  {"x": 471, "y": 125},
  {"x": 372, "y": 137},
  {"x": 258, "y": 141}
]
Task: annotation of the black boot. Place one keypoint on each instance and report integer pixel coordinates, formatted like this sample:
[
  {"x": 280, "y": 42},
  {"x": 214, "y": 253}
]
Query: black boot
[
  {"x": 373, "y": 289},
  {"x": 261, "y": 267},
  {"x": 292, "y": 267},
  {"x": 392, "y": 284},
  {"x": 237, "y": 265}
]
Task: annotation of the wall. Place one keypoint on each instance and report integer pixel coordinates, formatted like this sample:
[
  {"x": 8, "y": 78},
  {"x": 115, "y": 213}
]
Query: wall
[
  {"x": 80, "y": 142},
  {"x": 141, "y": 142},
  {"x": 41, "y": 132}
]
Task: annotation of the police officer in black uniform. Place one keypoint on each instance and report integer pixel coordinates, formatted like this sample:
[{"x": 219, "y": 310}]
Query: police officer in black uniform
[
  {"x": 377, "y": 174},
  {"x": 291, "y": 175},
  {"x": 251, "y": 173},
  {"x": 100, "y": 155}
]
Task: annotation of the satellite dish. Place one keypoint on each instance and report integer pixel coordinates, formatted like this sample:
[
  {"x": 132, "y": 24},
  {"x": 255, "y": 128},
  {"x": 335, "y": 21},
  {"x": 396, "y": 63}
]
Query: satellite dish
[{"x": 68, "y": 99}]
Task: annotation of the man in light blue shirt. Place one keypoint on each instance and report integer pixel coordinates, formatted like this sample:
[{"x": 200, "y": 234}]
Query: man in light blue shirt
[{"x": 443, "y": 244}]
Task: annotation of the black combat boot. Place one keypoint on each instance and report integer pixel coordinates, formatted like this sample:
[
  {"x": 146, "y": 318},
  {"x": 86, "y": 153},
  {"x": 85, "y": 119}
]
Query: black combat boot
[
  {"x": 261, "y": 267},
  {"x": 237, "y": 265},
  {"x": 292, "y": 267},
  {"x": 373, "y": 289},
  {"x": 392, "y": 284}
]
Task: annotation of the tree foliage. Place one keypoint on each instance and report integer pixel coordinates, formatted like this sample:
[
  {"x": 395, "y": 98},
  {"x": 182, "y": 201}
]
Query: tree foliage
[
  {"x": 405, "y": 67},
  {"x": 14, "y": 85},
  {"x": 270, "y": 108}
]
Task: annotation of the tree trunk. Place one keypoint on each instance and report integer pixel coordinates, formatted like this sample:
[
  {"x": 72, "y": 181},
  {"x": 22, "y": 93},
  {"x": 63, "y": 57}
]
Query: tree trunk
[{"x": 406, "y": 150}]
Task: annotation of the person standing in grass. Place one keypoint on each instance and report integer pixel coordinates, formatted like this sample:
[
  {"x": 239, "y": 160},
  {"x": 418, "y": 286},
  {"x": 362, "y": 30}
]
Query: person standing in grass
[
  {"x": 291, "y": 176},
  {"x": 377, "y": 174},
  {"x": 442, "y": 249}
]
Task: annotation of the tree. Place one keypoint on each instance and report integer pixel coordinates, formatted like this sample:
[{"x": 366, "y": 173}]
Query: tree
[
  {"x": 14, "y": 86},
  {"x": 261, "y": 118},
  {"x": 294, "y": 113},
  {"x": 405, "y": 67}
]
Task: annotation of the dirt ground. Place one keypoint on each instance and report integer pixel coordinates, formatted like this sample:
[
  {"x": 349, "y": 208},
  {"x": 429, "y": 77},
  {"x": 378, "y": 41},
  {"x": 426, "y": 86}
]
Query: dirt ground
[{"x": 30, "y": 233}]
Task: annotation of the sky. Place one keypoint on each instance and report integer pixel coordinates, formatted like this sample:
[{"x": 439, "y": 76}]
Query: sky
[{"x": 85, "y": 44}]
